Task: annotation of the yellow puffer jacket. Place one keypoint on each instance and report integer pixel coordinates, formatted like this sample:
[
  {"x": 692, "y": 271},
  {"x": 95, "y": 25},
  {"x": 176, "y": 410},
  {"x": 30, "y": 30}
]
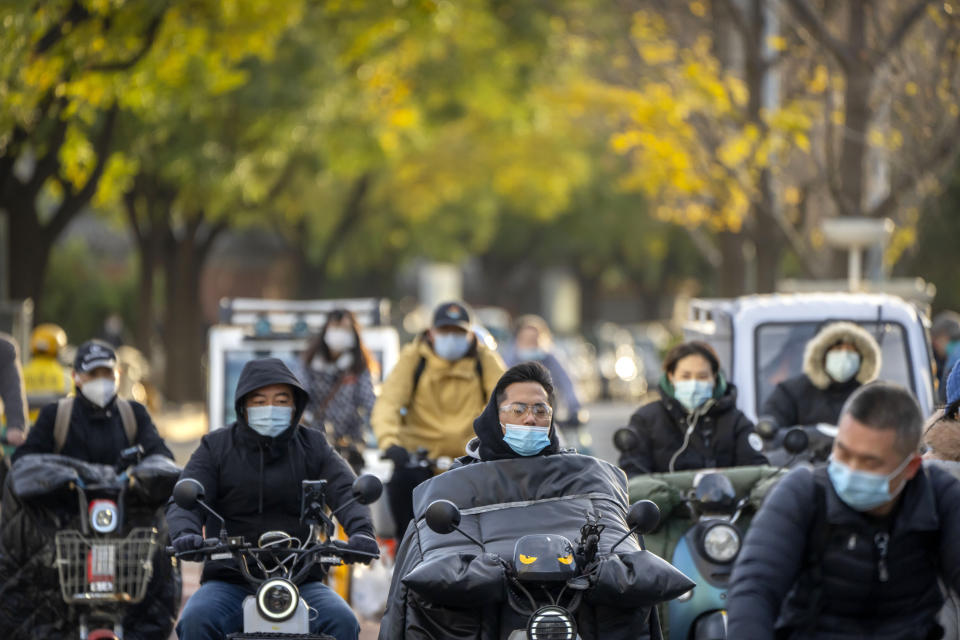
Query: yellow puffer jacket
[
  {"x": 45, "y": 380},
  {"x": 448, "y": 397}
]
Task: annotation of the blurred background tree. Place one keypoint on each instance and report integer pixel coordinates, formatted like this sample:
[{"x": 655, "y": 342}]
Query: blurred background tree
[{"x": 639, "y": 145}]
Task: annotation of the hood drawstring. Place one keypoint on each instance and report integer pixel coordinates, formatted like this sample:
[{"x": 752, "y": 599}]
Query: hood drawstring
[{"x": 260, "y": 446}]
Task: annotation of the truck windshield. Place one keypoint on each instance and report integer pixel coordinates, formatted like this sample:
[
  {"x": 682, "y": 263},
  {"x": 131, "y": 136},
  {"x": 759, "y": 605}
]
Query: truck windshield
[{"x": 779, "y": 353}]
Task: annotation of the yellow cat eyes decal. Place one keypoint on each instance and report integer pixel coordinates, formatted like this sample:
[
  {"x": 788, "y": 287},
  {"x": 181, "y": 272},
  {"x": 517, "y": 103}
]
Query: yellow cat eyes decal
[
  {"x": 527, "y": 559},
  {"x": 567, "y": 559}
]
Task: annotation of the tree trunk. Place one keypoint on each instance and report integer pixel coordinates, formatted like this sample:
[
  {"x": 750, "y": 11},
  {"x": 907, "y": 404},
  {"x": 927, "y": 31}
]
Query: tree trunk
[
  {"x": 732, "y": 277},
  {"x": 30, "y": 250},
  {"x": 183, "y": 327},
  {"x": 859, "y": 79}
]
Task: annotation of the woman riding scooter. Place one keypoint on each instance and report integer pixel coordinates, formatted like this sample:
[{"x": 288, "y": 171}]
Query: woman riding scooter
[{"x": 695, "y": 424}]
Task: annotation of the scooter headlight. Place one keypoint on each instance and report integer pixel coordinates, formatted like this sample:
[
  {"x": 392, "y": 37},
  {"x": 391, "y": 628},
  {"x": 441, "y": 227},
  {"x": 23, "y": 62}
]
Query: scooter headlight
[
  {"x": 721, "y": 543},
  {"x": 551, "y": 623},
  {"x": 277, "y": 599},
  {"x": 104, "y": 516}
]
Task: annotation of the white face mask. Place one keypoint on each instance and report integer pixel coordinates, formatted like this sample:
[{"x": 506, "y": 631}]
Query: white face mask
[
  {"x": 339, "y": 339},
  {"x": 99, "y": 391},
  {"x": 842, "y": 364}
]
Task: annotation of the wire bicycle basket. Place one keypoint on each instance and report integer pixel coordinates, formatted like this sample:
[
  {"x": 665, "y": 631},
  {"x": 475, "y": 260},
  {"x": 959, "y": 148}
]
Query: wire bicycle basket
[{"x": 105, "y": 569}]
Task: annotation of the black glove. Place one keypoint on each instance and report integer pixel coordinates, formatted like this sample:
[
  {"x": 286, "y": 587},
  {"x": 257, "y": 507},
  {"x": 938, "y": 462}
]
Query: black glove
[
  {"x": 365, "y": 543},
  {"x": 397, "y": 454},
  {"x": 187, "y": 542}
]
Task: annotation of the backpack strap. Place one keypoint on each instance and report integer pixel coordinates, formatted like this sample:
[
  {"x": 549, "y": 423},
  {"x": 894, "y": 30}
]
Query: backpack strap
[
  {"x": 422, "y": 364},
  {"x": 128, "y": 419},
  {"x": 61, "y": 424},
  {"x": 417, "y": 374}
]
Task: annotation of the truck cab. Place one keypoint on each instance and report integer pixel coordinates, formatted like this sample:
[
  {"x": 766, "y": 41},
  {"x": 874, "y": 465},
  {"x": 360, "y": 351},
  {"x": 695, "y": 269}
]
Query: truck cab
[{"x": 760, "y": 339}]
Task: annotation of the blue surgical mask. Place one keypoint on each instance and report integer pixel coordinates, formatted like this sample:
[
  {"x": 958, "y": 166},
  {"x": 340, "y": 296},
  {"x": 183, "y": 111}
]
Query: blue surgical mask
[
  {"x": 842, "y": 364},
  {"x": 268, "y": 420},
  {"x": 862, "y": 490},
  {"x": 451, "y": 346},
  {"x": 692, "y": 393},
  {"x": 526, "y": 441}
]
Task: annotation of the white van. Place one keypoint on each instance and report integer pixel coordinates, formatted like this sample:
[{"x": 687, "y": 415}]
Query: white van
[{"x": 760, "y": 338}]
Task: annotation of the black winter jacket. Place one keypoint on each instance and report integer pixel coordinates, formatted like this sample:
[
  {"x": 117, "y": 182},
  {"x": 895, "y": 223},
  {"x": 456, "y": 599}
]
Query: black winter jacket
[
  {"x": 95, "y": 435},
  {"x": 721, "y": 436},
  {"x": 444, "y": 587},
  {"x": 773, "y": 579},
  {"x": 798, "y": 402},
  {"x": 253, "y": 481}
]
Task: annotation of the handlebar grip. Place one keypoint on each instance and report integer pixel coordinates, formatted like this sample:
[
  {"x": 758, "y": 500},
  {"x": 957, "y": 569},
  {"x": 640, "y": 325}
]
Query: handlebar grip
[{"x": 169, "y": 551}]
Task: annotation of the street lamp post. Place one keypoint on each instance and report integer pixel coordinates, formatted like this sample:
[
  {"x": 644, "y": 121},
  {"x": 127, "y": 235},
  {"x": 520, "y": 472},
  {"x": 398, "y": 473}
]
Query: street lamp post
[{"x": 856, "y": 234}]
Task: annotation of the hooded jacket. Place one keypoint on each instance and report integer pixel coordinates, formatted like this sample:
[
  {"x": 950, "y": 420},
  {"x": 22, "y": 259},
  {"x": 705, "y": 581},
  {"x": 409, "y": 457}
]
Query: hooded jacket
[
  {"x": 813, "y": 397},
  {"x": 253, "y": 481},
  {"x": 489, "y": 443},
  {"x": 772, "y": 583},
  {"x": 448, "y": 396},
  {"x": 720, "y": 435}
]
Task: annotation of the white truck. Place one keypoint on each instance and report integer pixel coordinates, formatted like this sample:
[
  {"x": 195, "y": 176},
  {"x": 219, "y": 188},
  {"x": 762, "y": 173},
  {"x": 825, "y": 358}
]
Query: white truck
[{"x": 760, "y": 338}]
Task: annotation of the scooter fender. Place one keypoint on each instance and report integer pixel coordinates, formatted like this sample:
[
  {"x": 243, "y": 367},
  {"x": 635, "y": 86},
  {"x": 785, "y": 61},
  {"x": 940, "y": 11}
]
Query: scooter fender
[
  {"x": 299, "y": 622},
  {"x": 705, "y": 597}
]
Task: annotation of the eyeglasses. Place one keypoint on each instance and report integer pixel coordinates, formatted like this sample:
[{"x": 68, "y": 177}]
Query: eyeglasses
[{"x": 516, "y": 410}]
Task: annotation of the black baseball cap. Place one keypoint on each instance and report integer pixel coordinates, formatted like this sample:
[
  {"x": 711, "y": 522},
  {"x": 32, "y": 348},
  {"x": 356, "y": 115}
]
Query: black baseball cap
[
  {"x": 452, "y": 314},
  {"x": 93, "y": 354}
]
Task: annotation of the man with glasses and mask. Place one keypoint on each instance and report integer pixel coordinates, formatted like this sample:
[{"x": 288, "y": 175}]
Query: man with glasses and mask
[
  {"x": 95, "y": 425},
  {"x": 441, "y": 381},
  {"x": 853, "y": 549}
]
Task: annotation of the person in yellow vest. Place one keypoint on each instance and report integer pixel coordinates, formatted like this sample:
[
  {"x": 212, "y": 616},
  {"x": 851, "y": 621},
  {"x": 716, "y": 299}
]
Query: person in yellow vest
[
  {"x": 44, "y": 378},
  {"x": 440, "y": 383}
]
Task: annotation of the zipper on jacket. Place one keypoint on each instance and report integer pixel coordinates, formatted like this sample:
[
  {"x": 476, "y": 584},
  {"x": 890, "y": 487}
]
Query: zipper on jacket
[
  {"x": 882, "y": 540},
  {"x": 261, "y": 480}
]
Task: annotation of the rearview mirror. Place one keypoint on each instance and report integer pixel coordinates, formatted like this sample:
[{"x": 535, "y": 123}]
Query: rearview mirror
[
  {"x": 367, "y": 489},
  {"x": 624, "y": 439},
  {"x": 442, "y": 516},
  {"x": 644, "y": 516},
  {"x": 766, "y": 427},
  {"x": 796, "y": 440},
  {"x": 187, "y": 493}
]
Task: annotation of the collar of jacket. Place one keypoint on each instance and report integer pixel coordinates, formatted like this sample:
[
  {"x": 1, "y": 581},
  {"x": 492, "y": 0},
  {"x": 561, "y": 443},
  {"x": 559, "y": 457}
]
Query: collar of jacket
[
  {"x": 917, "y": 509},
  {"x": 93, "y": 410}
]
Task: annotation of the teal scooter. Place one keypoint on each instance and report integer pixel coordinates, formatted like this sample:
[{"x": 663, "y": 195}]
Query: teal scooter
[{"x": 707, "y": 550}]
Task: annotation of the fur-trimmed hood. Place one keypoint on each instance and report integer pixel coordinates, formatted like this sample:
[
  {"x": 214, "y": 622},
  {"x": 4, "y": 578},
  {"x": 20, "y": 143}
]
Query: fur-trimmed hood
[{"x": 815, "y": 354}]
